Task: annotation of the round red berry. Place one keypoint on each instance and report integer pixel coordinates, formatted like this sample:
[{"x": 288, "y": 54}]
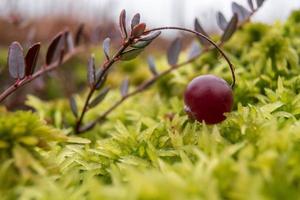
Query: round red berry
[{"x": 207, "y": 98}]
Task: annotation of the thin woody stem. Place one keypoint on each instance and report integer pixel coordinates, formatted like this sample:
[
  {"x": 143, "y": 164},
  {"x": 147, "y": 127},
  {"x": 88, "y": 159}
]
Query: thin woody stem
[
  {"x": 206, "y": 38},
  {"x": 106, "y": 66}
]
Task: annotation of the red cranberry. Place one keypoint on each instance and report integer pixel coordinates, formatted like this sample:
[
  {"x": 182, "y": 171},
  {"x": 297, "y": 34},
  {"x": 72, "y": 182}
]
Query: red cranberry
[{"x": 207, "y": 98}]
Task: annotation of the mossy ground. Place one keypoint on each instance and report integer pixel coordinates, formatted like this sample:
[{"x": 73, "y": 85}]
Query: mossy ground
[{"x": 149, "y": 149}]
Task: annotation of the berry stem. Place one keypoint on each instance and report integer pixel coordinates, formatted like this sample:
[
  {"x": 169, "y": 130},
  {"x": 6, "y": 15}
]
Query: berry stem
[{"x": 206, "y": 38}]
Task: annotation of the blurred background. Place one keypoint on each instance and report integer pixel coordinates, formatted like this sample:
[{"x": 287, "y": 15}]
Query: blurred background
[{"x": 42, "y": 18}]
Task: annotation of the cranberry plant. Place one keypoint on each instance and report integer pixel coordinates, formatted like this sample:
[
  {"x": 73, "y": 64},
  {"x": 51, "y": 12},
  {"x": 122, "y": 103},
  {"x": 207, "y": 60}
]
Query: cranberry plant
[{"x": 150, "y": 149}]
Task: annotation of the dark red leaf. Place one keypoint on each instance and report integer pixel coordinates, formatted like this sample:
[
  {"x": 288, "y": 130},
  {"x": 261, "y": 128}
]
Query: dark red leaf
[
  {"x": 151, "y": 36},
  {"x": 138, "y": 30},
  {"x": 221, "y": 21},
  {"x": 250, "y": 3},
  {"x": 61, "y": 56},
  {"x": 135, "y": 20},
  {"x": 106, "y": 47},
  {"x": 55, "y": 48},
  {"x": 79, "y": 34},
  {"x": 87, "y": 126},
  {"x": 195, "y": 50},
  {"x": 259, "y": 3},
  {"x": 130, "y": 54},
  {"x": 100, "y": 97},
  {"x": 31, "y": 58},
  {"x": 16, "y": 61},
  {"x": 151, "y": 65},
  {"x": 199, "y": 29},
  {"x": 69, "y": 41},
  {"x": 124, "y": 87},
  {"x": 122, "y": 24},
  {"x": 91, "y": 71},
  {"x": 230, "y": 29},
  {"x": 242, "y": 12},
  {"x": 141, "y": 44},
  {"x": 73, "y": 106},
  {"x": 101, "y": 78},
  {"x": 174, "y": 51}
]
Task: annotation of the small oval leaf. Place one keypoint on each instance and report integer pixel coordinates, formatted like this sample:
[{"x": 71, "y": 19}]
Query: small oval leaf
[
  {"x": 135, "y": 20},
  {"x": 106, "y": 47},
  {"x": 16, "y": 61},
  {"x": 101, "y": 78},
  {"x": 259, "y": 3},
  {"x": 55, "y": 48},
  {"x": 174, "y": 51},
  {"x": 61, "y": 56},
  {"x": 130, "y": 54},
  {"x": 242, "y": 12},
  {"x": 91, "y": 71},
  {"x": 73, "y": 105},
  {"x": 195, "y": 50},
  {"x": 141, "y": 44},
  {"x": 70, "y": 41},
  {"x": 138, "y": 30},
  {"x": 221, "y": 21},
  {"x": 31, "y": 58},
  {"x": 78, "y": 34},
  {"x": 124, "y": 87},
  {"x": 122, "y": 24},
  {"x": 151, "y": 36},
  {"x": 101, "y": 82},
  {"x": 250, "y": 3},
  {"x": 152, "y": 66},
  {"x": 87, "y": 127},
  {"x": 230, "y": 29},
  {"x": 198, "y": 28},
  {"x": 99, "y": 98}
]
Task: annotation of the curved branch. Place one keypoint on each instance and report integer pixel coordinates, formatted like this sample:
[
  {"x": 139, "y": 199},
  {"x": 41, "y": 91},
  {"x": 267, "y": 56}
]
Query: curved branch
[
  {"x": 206, "y": 38},
  {"x": 106, "y": 66}
]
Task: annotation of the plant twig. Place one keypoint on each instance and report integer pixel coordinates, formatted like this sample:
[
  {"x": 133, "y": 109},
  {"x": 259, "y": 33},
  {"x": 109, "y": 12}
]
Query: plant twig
[
  {"x": 148, "y": 83},
  {"x": 205, "y": 37},
  {"x": 106, "y": 66}
]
